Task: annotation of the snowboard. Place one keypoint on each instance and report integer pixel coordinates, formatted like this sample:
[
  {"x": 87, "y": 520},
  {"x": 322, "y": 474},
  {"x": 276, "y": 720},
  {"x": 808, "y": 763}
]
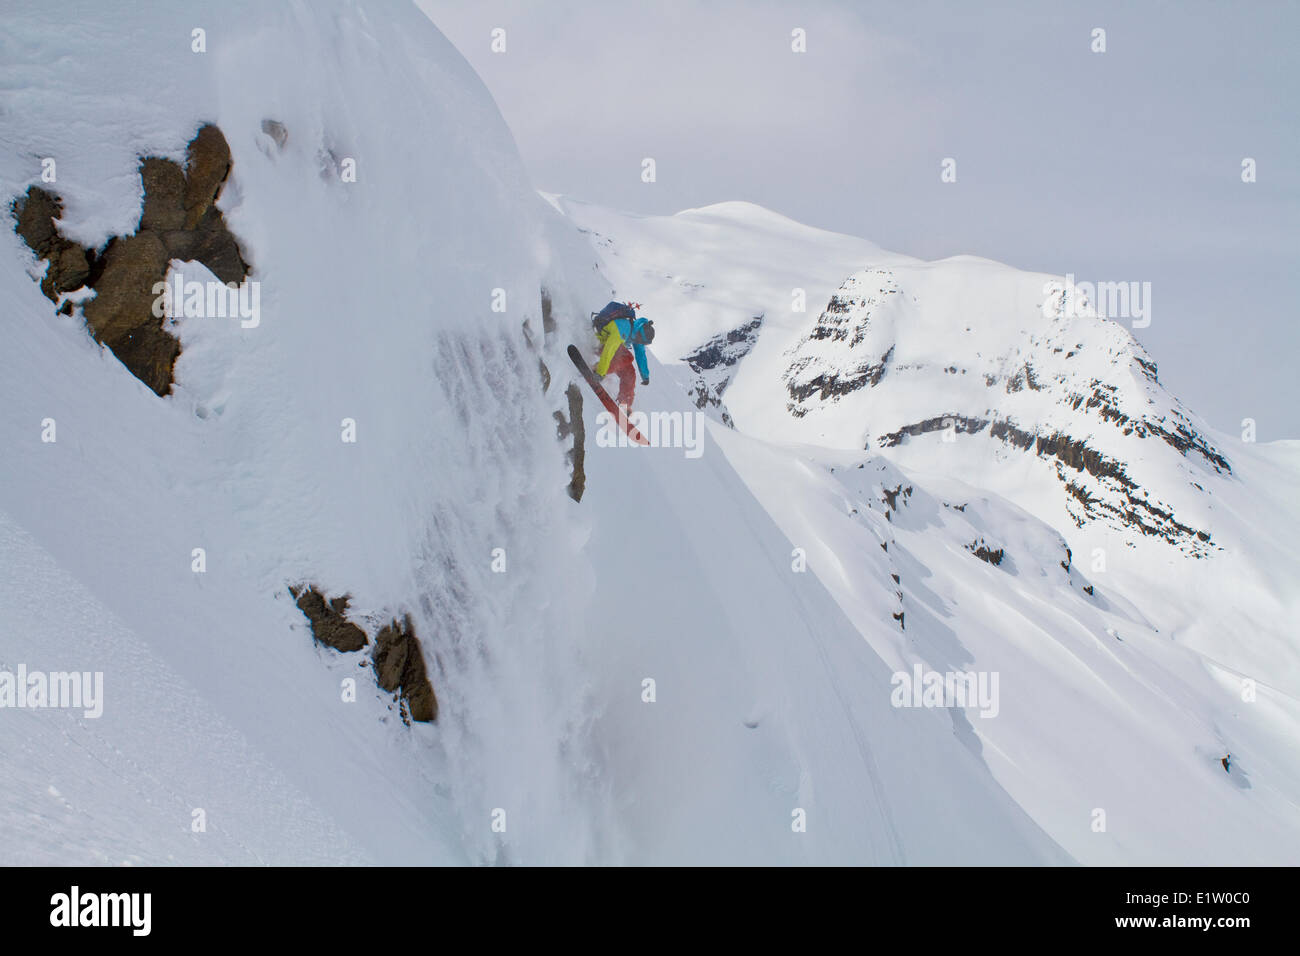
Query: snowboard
[{"x": 604, "y": 396}]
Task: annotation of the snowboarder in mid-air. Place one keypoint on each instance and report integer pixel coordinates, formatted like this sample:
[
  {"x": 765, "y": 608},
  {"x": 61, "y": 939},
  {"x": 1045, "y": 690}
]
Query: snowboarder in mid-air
[{"x": 618, "y": 325}]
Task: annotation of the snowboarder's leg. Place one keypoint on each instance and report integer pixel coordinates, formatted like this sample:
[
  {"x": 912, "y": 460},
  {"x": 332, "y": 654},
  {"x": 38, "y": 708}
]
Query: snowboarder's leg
[{"x": 625, "y": 369}]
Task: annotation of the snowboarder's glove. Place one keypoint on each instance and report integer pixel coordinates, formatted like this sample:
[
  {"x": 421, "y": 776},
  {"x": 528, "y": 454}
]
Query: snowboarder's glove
[{"x": 645, "y": 381}]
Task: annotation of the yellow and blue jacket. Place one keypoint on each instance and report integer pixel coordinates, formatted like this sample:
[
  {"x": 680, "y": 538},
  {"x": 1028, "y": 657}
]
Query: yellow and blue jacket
[{"x": 614, "y": 334}]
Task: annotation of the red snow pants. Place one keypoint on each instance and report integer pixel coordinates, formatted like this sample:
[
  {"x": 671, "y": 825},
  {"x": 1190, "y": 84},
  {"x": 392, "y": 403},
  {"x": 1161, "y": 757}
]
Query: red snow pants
[{"x": 625, "y": 368}]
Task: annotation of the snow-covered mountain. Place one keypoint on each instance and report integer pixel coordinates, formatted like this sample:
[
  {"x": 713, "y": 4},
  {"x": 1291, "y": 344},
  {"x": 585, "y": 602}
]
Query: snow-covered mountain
[
  {"x": 902, "y": 420},
  {"x": 359, "y": 581}
]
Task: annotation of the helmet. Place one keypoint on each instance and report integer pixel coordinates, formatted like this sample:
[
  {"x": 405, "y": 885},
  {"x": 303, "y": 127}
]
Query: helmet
[{"x": 647, "y": 333}]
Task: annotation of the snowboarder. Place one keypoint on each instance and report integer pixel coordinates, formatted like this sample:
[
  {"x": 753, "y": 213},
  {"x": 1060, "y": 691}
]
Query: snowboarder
[{"x": 617, "y": 325}]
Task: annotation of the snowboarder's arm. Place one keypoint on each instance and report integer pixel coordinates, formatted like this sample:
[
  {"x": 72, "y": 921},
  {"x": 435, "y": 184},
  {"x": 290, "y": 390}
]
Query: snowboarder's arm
[
  {"x": 612, "y": 341},
  {"x": 639, "y": 349}
]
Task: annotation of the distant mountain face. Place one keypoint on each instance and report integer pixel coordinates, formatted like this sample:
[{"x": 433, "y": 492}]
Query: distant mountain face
[
  {"x": 1072, "y": 391},
  {"x": 715, "y": 362},
  {"x": 961, "y": 366}
]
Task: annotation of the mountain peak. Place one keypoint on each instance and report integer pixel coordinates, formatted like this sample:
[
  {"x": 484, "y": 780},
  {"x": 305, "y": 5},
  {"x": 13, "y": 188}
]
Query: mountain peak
[{"x": 986, "y": 364}]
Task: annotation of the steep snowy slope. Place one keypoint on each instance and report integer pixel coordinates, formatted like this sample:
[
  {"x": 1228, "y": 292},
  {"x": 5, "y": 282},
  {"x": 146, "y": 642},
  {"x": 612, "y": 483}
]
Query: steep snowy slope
[
  {"x": 376, "y": 307},
  {"x": 766, "y": 700},
  {"x": 402, "y": 306},
  {"x": 1095, "y": 707},
  {"x": 1038, "y": 434},
  {"x": 120, "y": 787}
]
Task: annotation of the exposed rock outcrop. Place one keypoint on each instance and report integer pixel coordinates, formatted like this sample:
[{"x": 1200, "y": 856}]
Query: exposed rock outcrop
[
  {"x": 399, "y": 668},
  {"x": 574, "y": 426},
  {"x": 548, "y": 318},
  {"x": 69, "y": 263},
  {"x": 329, "y": 619},
  {"x": 1112, "y": 494},
  {"x": 957, "y": 423},
  {"x": 121, "y": 313},
  {"x": 891, "y": 496},
  {"x": 397, "y": 656},
  {"x": 982, "y": 551},
  {"x": 832, "y": 384},
  {"x": 570, "y": 425},
  {"x": 826, "y": 364},
  {"x": 715, "y": 362},
  {"x": 179, "y": 219}
]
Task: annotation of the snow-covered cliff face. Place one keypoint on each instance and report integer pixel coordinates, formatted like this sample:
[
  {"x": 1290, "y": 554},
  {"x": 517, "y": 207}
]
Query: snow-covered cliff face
[
  {"x": 378, "y": 428},
  {"x": 636, "y": 677},
  {"x": 986, "y": 480}
]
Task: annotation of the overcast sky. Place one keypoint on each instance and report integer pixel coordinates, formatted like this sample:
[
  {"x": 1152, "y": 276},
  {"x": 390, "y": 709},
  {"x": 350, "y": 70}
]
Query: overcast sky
[{"x": 1117, "y": 166}]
